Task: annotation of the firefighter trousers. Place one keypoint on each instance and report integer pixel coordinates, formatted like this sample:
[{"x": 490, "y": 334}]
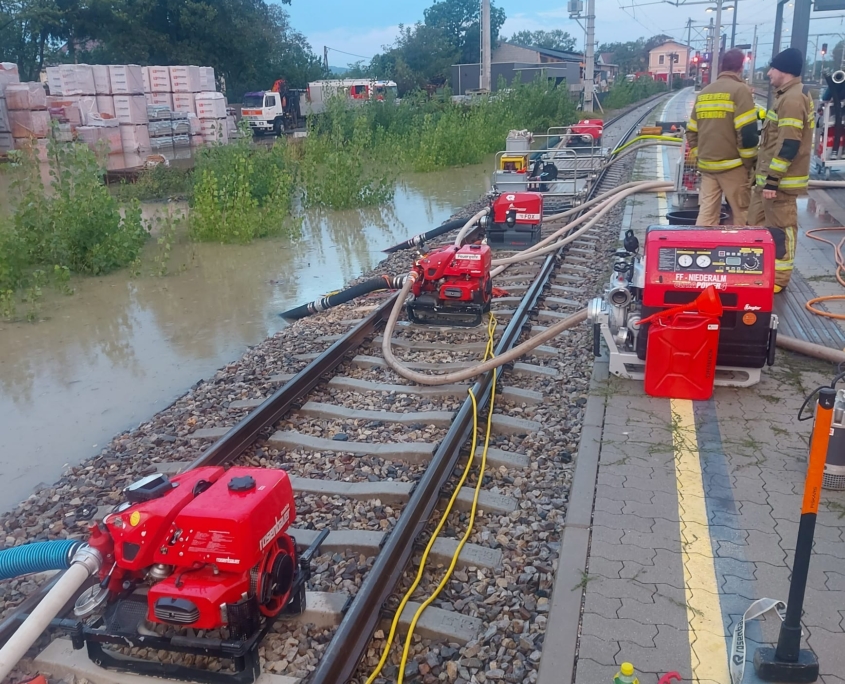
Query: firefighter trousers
[
  {"x": 780, "y": 216},
  {"x": 735, "y": 184}
]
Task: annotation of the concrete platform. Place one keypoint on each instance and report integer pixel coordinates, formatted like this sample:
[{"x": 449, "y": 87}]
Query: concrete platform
[{"x": 683, "y": 513}]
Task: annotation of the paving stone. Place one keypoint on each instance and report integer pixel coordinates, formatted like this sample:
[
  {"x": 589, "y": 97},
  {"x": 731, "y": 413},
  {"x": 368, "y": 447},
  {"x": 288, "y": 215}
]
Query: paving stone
[
  {"x": 622, "y": 522},
  {"x": 610, "y": 486},
  {"x": 624, "y": 589},
  {"x": 613, "y": 550},
  {"x": 666, "y": 570},
  {"x": 607, "y": 534},
  {"x": 618, "y": 629},
  {"x": 821, "y": 610},
  {"x": 612, "y": 506},
  {"x": 598, "y": 650},
  {"x": 603, "y": 567},
  {"x": 590, "y": 672},
  {"x": 602, "y": 605},
  {"x": 828, "y": 646},
  {"x": 653, "y": 541}
]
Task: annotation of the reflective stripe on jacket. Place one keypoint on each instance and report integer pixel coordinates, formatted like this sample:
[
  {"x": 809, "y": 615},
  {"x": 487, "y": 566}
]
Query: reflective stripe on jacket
[{"x": 715, "y": 129}]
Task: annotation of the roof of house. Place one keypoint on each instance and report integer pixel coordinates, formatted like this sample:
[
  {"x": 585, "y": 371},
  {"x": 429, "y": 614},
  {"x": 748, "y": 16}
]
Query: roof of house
[
  {"x": 674, "y": 42},
  {"x": 559, "y": 54}
]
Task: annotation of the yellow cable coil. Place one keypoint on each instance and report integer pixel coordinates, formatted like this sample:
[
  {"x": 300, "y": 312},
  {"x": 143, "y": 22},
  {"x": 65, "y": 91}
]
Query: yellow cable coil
[{"x": 488, "y": 353}]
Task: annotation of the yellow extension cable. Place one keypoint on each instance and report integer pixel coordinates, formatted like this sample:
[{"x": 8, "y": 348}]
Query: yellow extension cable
[
  {"x": 667, "y": 138},
  {"x": 488, "y": 353}
]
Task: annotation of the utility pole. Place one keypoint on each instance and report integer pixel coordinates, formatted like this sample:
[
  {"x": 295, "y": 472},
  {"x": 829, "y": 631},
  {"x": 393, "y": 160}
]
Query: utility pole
[
  {"x": 801, "y": 25},
  {"x": 326, "y": 57},
  {"x": 689, "y": 45},
  {"x": 753, "y": 64},
  {"x": 671, "y": 68},
  {"x": 776, "y": 44},
  {"x": 486, "y": 57},
  {"x": 717, "y": 43},
  {"x": 733, "y": 28},
  {"x": 590, "y": 56}
]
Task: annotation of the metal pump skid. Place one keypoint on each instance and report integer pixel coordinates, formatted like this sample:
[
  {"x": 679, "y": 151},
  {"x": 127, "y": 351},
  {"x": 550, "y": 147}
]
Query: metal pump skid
[
  {"x": 206, "y": 550},
  {"x": 452, "y": 287},
  {"x": 678, "y": 264},
  {"x": 515, "y": 220}
]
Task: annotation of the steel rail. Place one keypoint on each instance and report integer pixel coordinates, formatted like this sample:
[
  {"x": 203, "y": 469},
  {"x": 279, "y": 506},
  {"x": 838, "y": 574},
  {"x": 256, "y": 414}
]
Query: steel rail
[
  {"x": 242, "y": 435},
  {"x": 343, "y": 654}
]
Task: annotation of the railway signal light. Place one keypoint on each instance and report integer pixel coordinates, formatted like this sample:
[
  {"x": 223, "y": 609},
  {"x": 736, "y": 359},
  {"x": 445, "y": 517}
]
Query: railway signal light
[{"x": 824, "y": 49}]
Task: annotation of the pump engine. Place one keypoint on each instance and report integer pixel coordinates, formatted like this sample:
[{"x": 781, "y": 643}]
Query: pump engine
[
  {"x": 205, "y": 550},
  {"x": 515, "y": 220},
  {"x": 679, "y": 263},
  {"x": 453, "y": 286}
]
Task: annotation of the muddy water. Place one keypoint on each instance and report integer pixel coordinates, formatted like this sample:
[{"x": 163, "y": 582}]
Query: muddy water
[{"x": 121, "y": 348}]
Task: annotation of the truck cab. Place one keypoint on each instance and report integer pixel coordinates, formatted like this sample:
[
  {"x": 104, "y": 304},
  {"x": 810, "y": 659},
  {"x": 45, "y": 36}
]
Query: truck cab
[{"x": 271, "y": 112}]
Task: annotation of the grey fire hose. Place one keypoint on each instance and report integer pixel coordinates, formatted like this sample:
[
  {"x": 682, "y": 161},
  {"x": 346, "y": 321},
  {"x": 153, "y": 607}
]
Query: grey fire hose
[{"x": 86, "y": 562}]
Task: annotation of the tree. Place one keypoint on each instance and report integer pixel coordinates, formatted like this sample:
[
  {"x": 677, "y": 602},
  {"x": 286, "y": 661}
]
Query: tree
[
  {"x": 551, "y": 40},
  {"x": 461, "y": 22},
  {"x": 421, "y": 56},
  {"x": 249, "y": 42}
]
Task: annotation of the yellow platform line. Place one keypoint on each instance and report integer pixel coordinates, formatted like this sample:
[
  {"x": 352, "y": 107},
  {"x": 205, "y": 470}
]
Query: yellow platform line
[{"x": 708, "y": 648}]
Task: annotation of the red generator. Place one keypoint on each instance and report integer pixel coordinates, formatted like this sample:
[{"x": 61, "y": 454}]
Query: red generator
[
  {"x": 517, "y": 220},
  {"x": 680, "y": 262},
  {"x": 453, "y": 286}
]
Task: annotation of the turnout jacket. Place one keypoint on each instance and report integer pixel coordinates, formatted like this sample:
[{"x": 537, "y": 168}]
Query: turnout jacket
[
  {"x": 722, "y": 130},
  {"x": 787, "y": 143}
]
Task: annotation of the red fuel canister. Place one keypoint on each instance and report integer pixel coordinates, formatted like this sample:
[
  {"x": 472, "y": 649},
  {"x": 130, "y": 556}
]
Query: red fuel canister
[{"x": 681, "y": 358}]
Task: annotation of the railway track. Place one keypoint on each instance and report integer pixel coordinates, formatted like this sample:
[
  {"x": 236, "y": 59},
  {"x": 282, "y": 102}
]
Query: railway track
[{"x": 372, "y": 459}]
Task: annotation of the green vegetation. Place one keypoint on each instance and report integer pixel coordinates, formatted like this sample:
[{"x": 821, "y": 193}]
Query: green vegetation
[
  {"x": 626, "y": 92},
  {"x": 241, "y": 193},
  {"x": 250, "y": 43},
  {"x": 78, "y": 227}
]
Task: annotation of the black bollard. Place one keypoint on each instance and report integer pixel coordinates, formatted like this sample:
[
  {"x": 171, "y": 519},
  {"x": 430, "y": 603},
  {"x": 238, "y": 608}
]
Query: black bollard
[{"x": 788, "y": 662}]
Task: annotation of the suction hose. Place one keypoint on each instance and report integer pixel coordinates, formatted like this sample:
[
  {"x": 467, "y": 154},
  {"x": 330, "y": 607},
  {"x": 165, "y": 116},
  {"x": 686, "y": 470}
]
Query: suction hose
[
  {"x": 86, "y": 562},
  {"x": 422, "y": 238},
  {"x": 37, "y": 557},
  {"x": 461, "y": 375},
  {"x": 816, "y": 351},
  {"x": 359, "y": 290}
]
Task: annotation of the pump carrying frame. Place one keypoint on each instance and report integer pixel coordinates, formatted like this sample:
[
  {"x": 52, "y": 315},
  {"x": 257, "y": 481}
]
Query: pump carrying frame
[{"x": 627, "y": 365}]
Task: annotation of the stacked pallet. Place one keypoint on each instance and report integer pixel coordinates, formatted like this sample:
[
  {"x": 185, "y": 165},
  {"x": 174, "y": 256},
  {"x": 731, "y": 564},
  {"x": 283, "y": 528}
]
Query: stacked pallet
[
  {"x": 8, "y": 76},
  {"x": 190, "y": 91},
  {"x": 131, "y": 111}
]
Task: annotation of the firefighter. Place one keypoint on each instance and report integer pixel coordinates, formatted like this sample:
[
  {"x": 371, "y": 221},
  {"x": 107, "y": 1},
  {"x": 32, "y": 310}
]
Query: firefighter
[
  {"x": 722, "y": 134},
  {"x": 783, "y": 166}
]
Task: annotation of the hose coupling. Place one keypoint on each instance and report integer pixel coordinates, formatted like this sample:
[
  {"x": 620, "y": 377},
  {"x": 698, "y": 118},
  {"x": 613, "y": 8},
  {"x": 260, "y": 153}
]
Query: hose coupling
[{"x": 89, "y": 557}]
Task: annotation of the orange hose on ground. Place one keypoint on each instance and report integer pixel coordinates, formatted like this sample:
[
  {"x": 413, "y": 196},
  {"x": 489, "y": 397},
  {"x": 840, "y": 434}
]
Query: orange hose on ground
[{"x": 840, "y": 272}]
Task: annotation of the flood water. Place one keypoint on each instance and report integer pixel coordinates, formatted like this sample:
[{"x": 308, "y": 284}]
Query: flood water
[{"x": 121, "y": 348}]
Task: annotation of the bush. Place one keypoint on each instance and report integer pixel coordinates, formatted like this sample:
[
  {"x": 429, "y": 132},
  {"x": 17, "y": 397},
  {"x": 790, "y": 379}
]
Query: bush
[
  {"x": 77, "y": 225},
  {"x": 242, "y": 192}
]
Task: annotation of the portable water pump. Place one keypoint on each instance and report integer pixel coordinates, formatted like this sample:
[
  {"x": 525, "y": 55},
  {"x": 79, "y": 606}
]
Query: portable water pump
[
  {"x": 515, "y": 220},
  {"x": 453, "y": 286},
  {"x": 207, "y": 550},
  {"x": 679, "y": 263}
]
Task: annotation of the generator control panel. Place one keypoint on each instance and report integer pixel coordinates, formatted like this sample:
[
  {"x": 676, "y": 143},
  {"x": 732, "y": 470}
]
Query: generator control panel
[{"x": 729, "y": 259}]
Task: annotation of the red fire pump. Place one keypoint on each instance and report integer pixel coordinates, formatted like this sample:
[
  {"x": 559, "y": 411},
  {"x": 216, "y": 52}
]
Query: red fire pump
[
  {"x": 453, "y": 286},
  {"x": 517, "y": 220},
  {"x": 586, "y": 132},
  {"x": 680, "y": 262},
  {"x": 207, "y": 550}
]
